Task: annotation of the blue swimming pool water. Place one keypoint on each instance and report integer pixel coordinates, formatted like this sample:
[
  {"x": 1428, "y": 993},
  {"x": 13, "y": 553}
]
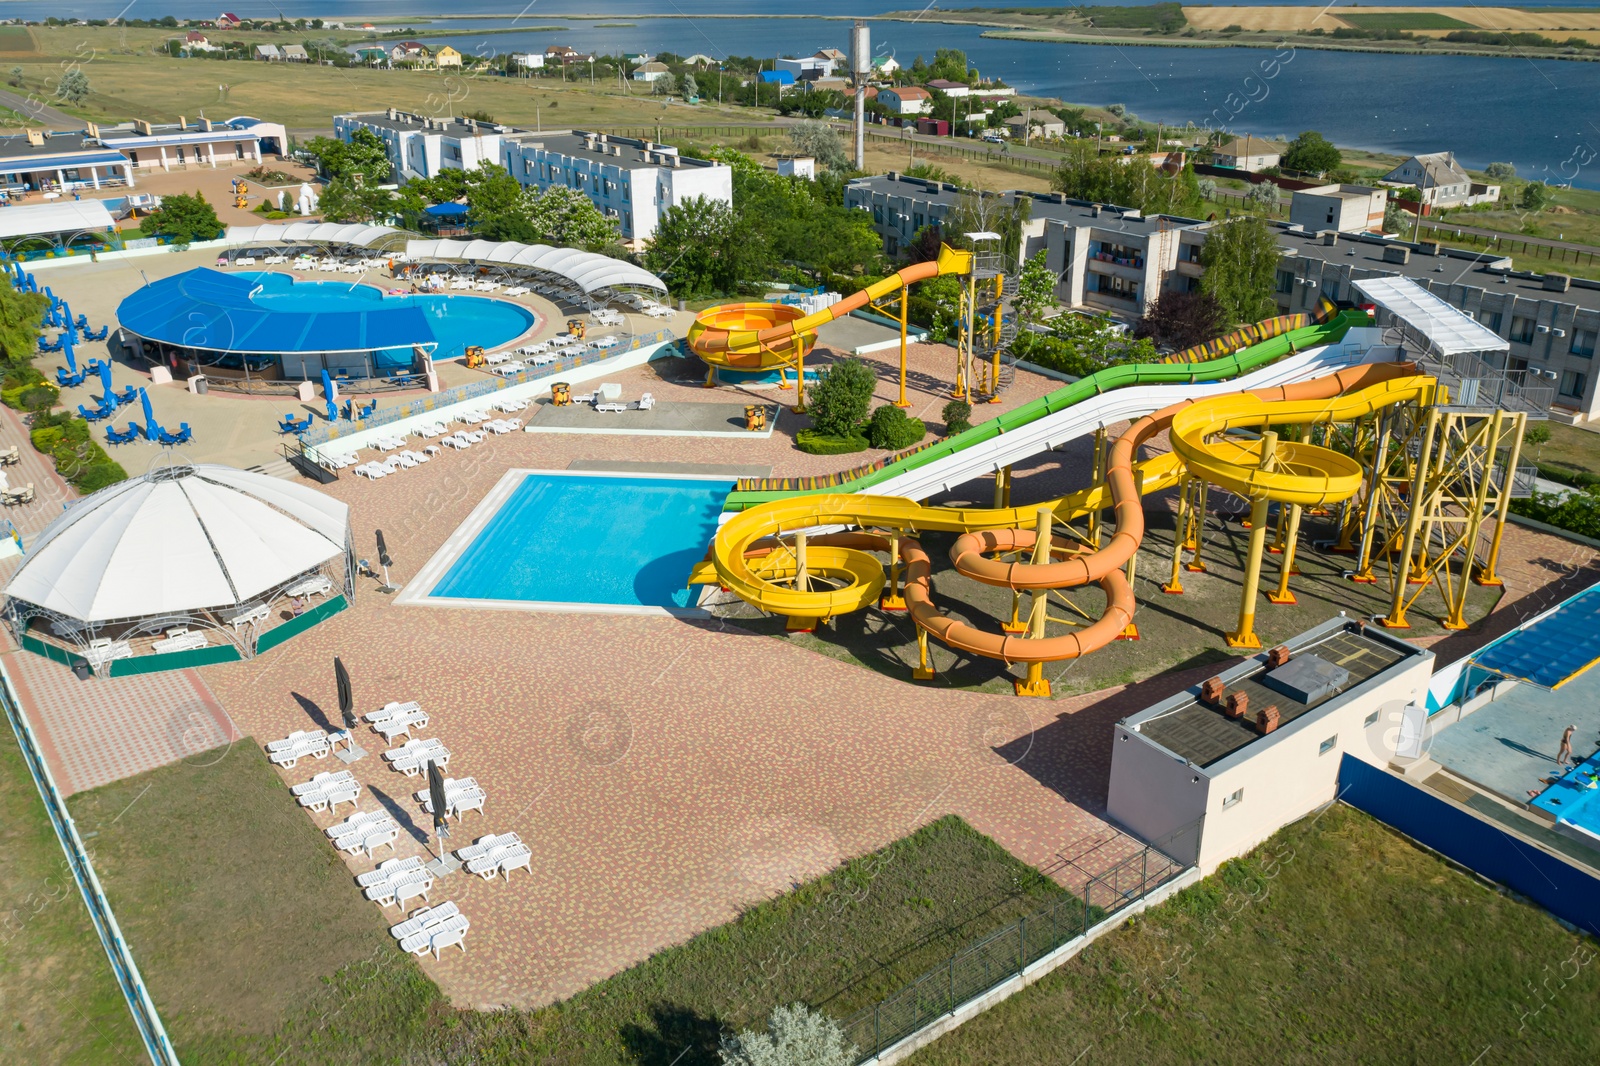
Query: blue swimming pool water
[
  {"x": 1575, "y": 797},
  {"x": 456, "y": 321},
  {"x": 591, "y": 539}
]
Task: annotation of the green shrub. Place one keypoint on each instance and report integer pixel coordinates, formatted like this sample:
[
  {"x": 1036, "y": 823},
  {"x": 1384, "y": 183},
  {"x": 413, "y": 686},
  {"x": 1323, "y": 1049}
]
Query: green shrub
[
  {"x": 65, "y": 438},
  {"x": 38, "y": 397},
  {"x": 1578, "y": 512},
  {"x": 812, "y": 442},
  {"x": 839, "y": 399},
  {"x": 957, "y": 417},
  {"x": 890, "y": 428},
  {"x": 45, "y": 438},
  {"x": 97, "y": 476}
]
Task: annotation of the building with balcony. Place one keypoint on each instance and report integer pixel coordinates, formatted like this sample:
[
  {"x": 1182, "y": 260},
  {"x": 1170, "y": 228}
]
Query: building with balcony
[
  {"x": 421, "y": 147},
  {"x": 632, "y": 181}
]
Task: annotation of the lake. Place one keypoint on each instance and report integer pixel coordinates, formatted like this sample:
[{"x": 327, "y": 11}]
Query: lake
[{"x": 1535, "y": 113}]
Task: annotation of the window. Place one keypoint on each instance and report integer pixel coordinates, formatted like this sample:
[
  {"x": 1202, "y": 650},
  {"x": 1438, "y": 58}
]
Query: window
[
  {"x": 1328, "y": 745},
  {"x": 1233, "y": 799},
  {"x": 917, "y": 220},
  {"x": 1121, "y": 288},
  {"x": 1573, "y": 382},
  {"x": 1371, "y": 719},
  {"x": 1583, "y": 343},
  {"x": 1522, "y": 329},
  {"x": 627, "y": 221},
  {"x": 1285, "y": 281},
  {"x": 1330, "y": 216},
  {"x": 1490, "y": 319}
]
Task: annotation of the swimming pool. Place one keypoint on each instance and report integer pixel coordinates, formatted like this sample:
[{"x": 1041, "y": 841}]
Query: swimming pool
[
  {"x": 616, "y": 540},
  {"x": 456, "y": 321},
  {"x": 1574, "y": 800}
]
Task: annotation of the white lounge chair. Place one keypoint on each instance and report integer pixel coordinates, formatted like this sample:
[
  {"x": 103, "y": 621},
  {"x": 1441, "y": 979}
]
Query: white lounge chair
[
  {"x": 502, "y": 859},
  {"x": 437, "y": 935},
  {"x": 326, "y": 779},
  {"x": 329, "y": 799},
  {"x": 316, "y": 747},
  {"x": 387, "y": 871},
  {"x": 485, "y": 845},
  {"x": 424, "y": 919},
  {"x": 392, "y": 710},
  {"x": 401, "y": 725},
  {"x": 411, "y": 757}
]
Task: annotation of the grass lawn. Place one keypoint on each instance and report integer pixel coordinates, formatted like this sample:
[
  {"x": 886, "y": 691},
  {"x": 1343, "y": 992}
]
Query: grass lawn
[
  {"x": 62, "y": 1004},
  {"x": 263, "y": 951},
  {"x": 1570, "y": 451},
  {"x": 1336, "y": 941},
  {"x": 1404, "y": 20}
]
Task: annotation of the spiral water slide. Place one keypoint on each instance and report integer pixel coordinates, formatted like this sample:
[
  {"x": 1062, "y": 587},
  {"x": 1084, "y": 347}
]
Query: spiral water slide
[
  {"x": 750, "y": 559},
  {"x": 765, "y": 336}
]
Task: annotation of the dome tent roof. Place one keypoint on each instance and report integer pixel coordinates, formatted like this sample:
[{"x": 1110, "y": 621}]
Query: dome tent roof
[{"x": 178, "y": 539}]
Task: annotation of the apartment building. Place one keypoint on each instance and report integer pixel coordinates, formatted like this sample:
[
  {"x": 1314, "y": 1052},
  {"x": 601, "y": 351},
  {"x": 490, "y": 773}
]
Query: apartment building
[
  {"x": 1109, "y": 259},
  {"x": 1551, "y": 321},
  {"x": 630, "y": 180},
  {"x": 420, "y": 146}
]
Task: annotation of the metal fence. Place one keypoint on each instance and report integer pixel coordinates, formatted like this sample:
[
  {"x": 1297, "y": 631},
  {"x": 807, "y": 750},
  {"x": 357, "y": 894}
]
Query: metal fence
[
  {"x": 476, "y": 390},
  {"x": 1006, "y": 952},
  {"x": 145, "y": 1018}
]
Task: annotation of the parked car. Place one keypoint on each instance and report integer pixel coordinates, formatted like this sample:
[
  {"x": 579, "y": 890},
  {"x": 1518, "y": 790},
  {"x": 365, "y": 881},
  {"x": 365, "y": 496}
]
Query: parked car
[{"x": 995, "y": 137}]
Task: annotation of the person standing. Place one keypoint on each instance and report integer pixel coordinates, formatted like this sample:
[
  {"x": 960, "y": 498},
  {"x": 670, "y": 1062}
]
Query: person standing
[{"x": 1564, "y": 752}]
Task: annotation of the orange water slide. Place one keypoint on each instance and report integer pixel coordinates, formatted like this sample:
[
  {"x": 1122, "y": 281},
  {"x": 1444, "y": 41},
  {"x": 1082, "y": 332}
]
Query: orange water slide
[{"x": 970, "y": 552}]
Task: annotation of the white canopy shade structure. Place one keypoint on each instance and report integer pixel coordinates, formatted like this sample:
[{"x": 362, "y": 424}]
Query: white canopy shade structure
[
  {"x": 1447, "y": 330},
  {"x": 356, "y": 234},
  {"x": 589, "y": 271},
  {"x": 70, "y": 216},
  {"x": 177, "y": 541}
]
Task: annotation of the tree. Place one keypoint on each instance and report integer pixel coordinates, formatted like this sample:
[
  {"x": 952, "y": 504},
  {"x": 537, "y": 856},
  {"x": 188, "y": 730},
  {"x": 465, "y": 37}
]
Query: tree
[
  {"x": 1241, "y": 270},
  {"x": 1500, "y": 171},
  {"x": 1118, "y": 110},
  {"x": 700, "y": 248},
  {"x": 73, "y": 86},
  {"x": 1263, "y": 195},
  {"x": 566, "y": 218},
  {"x": 1394, "y": 217},
  {"x": 1206, "y": 188},
  {"x": 1086, "y": 175},
  {"x": 497, "y": 207},
  {"x": 1536, "y": 196},
  {"x": 688, "y": 86},
  {"x": 1179, "y": 320},
  {"x": 1036, "y": 289},
  {"x": 16, "y": 75},
  {"x": 820, "y": 141},
  {"x": 184, "y": 218},
  {"x": 957, "y": 417},
  {"x": 344, "y": 200},
  {"x": 839, "y": 399},
  {"x": 1312, "y": 153},
  {"x": 889, "y": 428},
  {"x": 665, "y": 85},
  {"x": 364, "y": 154},
  {"x": 21, "y": 314}
]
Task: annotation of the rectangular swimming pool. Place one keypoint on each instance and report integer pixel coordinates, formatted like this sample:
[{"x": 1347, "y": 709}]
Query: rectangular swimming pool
[{"x": 614, "y": 540}]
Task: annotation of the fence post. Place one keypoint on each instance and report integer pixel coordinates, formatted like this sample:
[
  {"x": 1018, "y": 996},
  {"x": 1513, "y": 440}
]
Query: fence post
[
  {"x": 952, "y": 998},
  {"x": 877, "y": 1028},
  {"x": 1022, "y": 943}
]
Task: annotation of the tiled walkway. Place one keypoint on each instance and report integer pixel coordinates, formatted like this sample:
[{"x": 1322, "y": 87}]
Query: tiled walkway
[{"x": 106, "y": 729}]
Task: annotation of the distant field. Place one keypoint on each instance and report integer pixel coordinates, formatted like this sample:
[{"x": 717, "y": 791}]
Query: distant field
[
  {"x": 1405, "y": 20},
  {"x": 16, "y": 40}
]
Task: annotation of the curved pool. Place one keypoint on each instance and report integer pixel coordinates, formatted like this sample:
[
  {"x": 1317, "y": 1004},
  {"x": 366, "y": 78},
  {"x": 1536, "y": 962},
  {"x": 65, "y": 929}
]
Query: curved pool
[{"x": 456, "y": 321}]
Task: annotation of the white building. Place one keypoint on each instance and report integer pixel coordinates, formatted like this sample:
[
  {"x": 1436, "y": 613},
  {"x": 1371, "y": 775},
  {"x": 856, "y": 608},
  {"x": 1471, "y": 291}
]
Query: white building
[
  {"x": 527, "y": 60},
  {"x": 1250, "y": 153},
  {"x": 629, "y": 180},
  {"x": 1441, "y": 181},
  {"x": 1345, "y": 208},
  {"x": 906, "y": 99},
  {"x": 650, "y": 71},
  {"x": 421, "y": 147}
]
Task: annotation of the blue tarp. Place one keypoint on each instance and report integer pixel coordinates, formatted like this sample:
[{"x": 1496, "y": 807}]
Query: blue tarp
[
  {"x": 449, "y": 210},
  {"x": 208, "y": 309},
  {"x": 780, "y": 77},
  {"x": 1554, "y": 649}
]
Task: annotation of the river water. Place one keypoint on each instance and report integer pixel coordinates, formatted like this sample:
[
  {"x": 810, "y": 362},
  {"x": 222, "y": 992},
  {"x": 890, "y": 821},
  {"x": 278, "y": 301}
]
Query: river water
[{"x": 1538, "y": 113}]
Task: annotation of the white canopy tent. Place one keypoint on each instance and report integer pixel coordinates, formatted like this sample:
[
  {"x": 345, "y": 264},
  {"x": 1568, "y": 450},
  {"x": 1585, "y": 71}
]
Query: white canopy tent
[
  {"x": 356, "y": 234},
  {"x": 178, "y": 541},
  {"x": 68, "y": 216},
  {"x": 589, "y": 271}
]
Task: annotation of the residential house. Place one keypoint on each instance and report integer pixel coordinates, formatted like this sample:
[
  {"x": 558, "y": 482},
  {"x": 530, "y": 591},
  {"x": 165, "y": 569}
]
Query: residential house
[
  {"x": 229, "y": 21},
  {"x": 294, "y": 53},
  {"x": 635, "y": 58},
  {"x": 566, "y": 55},
  {"x": 421, "y": 147},
  {"x": 527, "y": 60},
  {"x": 884, "y": 65},
  {"x": 835, "y": 57},
  {"x": 269, "y": 53},
  {"x": 950, "y": 88},
  {"x": 447, "y": 57},
  {"x": 1441, "y": 181},
  {"x": 632, "y": 181},
  {"x": 650, "y": 72},
  {"x": 1036, "y": 124},
  {"x": 805, "y": 68},
  {"x": 1341, "y": 208},
  {"x": 906, "y": 99},
  {"x": 1249, "y": 153},
  {"x": 414, "y": 52},
  {"x": 372, "y": 54},
  {"x": 195, "y": 41}
]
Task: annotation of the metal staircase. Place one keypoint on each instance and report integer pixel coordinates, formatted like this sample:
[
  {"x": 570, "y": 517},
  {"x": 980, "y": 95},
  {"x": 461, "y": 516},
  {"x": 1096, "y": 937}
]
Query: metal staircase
[{"x": 987, "y": 342}]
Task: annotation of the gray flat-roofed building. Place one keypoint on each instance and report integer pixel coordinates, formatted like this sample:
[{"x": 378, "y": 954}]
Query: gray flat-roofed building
[{"x": 1218, "y": 785}]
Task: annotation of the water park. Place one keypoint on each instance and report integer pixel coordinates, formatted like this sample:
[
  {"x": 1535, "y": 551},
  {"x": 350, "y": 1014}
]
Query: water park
[{"x": 551, "y": 531}]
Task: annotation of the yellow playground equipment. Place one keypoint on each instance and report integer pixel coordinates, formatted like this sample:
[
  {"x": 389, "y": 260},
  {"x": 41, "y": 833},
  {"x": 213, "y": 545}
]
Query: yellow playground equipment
[
  {"x": 769, "y": 336},
  {"x": 241, "y": 193},
  {"x": 765, "y": 556}
]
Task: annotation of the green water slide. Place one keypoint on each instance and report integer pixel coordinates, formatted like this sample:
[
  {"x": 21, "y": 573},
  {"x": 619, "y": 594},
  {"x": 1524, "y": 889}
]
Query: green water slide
[{"x": 1241, "y": 362}]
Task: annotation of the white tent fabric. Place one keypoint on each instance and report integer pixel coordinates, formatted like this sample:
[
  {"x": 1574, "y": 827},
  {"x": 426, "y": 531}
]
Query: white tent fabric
[
  {"x": 27, "y": 220},
  {"x": 360, "y": 234},
  {"x": 1448, "y": 331},
  {"x": 179, "y": 539},
  {"x": 588, "y": 270}
]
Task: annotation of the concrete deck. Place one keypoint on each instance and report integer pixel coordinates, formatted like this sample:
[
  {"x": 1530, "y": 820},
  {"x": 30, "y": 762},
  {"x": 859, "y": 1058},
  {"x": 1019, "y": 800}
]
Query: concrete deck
[
  {"x": 1509, "y": 746},
  {"x": 662, "y": 420}
]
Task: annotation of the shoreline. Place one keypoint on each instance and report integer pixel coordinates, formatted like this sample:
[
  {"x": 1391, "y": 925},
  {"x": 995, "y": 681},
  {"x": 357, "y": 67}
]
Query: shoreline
[{"x": 1310, "y": 44}]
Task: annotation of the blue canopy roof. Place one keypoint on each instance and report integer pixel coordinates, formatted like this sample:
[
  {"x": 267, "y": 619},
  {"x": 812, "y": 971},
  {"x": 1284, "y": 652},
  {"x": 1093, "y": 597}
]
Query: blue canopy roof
[
  {"x": 1553, "y": 650},
  {"x": 782, "y": 77},
  {"x": 210, "y": 310},
  {"x": 61, "y": 162},
  {"x": 446, "y": 210}
]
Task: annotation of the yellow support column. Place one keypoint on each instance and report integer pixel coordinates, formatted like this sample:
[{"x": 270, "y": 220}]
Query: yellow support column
[
  {"x": 994, "y": 338},
  {"x": 1180, "y": 533},
  {"x": 1197, "y": 565},
  {"x": 1402, "y": 569},
  {"x": 1244, "y": 636},
  {"x": 892, "y": 599},
  {"x": 801, "y": 583},
  {"x": 1036, "y": 684},
  {"x": 1099, "y": 475},
  {"x": 799, "y": 377},
  {"x": 1283, "y": 595},
  {"x": 1456, "y": 604},
  {"x": 923, "y": 671},
  {"x": 1486, "y": 576},
  {"x": 905, "y": 308}
]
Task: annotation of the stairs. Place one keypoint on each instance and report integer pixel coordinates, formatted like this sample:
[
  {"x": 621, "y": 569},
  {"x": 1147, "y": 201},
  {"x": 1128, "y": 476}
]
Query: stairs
[{"x": 278, "y": 468}]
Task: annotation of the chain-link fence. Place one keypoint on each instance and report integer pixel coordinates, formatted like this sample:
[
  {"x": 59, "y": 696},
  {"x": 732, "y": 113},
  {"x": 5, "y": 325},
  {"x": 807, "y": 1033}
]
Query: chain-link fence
[{"x": 1008, "y": 951}]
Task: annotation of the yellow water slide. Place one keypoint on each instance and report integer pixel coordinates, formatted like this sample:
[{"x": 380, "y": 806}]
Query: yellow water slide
[
  {"x": 819, "y": 577},
  {"x": 765, "y": 336}
]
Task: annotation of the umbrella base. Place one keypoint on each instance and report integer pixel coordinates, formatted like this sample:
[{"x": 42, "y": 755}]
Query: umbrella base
[
  {"x": 446, "y": 864},
  {"x": 350, "y": 754}
]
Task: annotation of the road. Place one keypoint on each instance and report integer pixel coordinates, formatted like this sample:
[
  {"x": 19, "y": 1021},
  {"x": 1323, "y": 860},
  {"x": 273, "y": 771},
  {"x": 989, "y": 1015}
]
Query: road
[{"x": 39, "y": 113}]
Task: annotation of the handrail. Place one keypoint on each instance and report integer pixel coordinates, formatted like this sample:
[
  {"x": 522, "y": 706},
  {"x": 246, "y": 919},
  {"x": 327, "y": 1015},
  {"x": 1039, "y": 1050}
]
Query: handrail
[{"x": 145, "y": 1016}]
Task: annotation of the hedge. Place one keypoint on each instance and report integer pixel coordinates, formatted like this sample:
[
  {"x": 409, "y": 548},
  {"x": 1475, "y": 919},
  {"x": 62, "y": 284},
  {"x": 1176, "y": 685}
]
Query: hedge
[
  {"x": 1577, "y": 512},
  {"x": 814, "y": 443},
  {"x": 85, "y": 465}
]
